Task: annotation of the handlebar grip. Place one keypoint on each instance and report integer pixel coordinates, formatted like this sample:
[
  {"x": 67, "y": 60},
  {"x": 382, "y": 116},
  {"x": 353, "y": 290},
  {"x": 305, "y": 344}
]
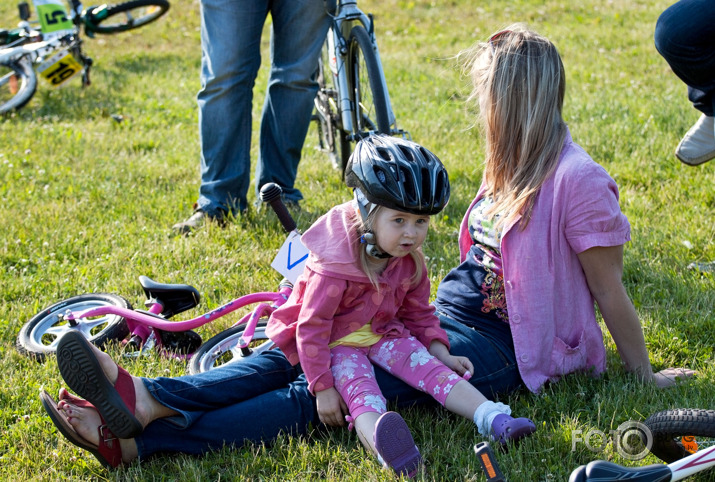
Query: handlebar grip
[
  {"x": 271, "y": 194},
  {"x": 489, "y": 462}
]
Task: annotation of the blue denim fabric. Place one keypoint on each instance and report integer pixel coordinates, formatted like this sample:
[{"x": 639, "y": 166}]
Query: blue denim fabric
[
  {"x": 251, "y": 401},
  {"x": 256, "y": 400},
  {"x": 685, "y": 37},
  {"x": 230, "y": 59}
]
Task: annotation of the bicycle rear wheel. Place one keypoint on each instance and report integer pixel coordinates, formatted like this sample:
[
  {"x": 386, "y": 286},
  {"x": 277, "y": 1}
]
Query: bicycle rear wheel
[
  {"x": 18, "y": 84},
  {"x": 370, "y": 114},
  {"x": 672, "y": 431},
  {"x": 108, "y": 19},
  {"x": 333, "y": 138},
  {"x": 222, "y": 348}
]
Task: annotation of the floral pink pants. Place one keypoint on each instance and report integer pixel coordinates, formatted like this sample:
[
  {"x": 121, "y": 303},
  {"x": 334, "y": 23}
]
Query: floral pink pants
[{"x": 404, "y": 358}]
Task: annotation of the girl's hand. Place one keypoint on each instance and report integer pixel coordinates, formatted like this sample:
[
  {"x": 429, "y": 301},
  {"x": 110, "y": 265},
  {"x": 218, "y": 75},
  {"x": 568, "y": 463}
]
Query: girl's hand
[
  {"x": 670, "y": 376},
  {"x": 459, "y": 364},
  {"x": 331, "y": 407}
]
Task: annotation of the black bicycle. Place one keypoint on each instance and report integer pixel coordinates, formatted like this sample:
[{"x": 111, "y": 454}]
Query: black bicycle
[{"x": 352, "y": 100}]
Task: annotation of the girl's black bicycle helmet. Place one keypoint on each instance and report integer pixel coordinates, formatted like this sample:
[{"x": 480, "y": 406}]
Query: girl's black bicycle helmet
[{"x": 398, "y": 174}]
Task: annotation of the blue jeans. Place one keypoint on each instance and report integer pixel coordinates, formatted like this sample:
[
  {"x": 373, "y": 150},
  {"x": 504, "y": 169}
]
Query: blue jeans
[
  {"x": 230, "y": 59},
  {"x": 685, "y": 37},
  {"x": 256, "y": 400}
]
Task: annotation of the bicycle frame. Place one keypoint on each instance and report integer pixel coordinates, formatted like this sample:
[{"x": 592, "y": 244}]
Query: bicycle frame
[
  {"x": 347, "y": 14},
  {"x": 142, "y": 324}
]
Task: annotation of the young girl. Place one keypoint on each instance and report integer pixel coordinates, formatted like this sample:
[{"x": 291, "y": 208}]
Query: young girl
[{"x": 364, "y": 298}]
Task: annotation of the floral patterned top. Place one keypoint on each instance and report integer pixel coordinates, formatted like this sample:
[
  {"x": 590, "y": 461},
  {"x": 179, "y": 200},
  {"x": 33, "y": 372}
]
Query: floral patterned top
[{"x": 475, "y": 289}]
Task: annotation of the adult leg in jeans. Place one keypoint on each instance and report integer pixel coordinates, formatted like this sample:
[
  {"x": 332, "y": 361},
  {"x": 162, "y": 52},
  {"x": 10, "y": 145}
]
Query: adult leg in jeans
[
  {"x": 190, "y": 395},
  {"x": 179, "y": 402},
  {"x": 289, "y": 410},
  {"x": 298, "y": 32},
  {"x": 685, "y": 37},
  {"x": 230, "y": 58}
]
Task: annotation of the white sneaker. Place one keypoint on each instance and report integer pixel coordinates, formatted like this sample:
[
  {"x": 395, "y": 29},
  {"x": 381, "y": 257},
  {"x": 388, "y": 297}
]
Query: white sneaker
[{"x": 698, "y": 145}]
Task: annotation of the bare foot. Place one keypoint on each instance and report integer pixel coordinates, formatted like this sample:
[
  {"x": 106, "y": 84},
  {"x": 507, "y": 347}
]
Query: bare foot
[{"x": 85, "y": 420}]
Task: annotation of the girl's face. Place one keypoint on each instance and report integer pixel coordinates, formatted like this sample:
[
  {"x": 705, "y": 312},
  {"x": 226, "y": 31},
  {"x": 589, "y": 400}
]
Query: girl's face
[{"x": 399, "y": 233}]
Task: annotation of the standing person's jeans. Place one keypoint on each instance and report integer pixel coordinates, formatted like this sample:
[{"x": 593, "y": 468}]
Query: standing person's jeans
[
  {"x": 256, "y": 400},
  {"x": 685, "y": 37},
  {"x": 230, "y": 59}
]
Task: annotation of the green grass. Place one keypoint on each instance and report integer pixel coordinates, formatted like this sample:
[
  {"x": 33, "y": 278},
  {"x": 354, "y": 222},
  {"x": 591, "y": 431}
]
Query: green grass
[{"x": 87, "y": 205}]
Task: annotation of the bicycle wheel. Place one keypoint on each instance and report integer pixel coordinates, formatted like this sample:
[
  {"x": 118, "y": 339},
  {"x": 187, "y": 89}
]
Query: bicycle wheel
[
  {"x": 366, "y": 87},
  {"x": 332, "y": 136},
  {"x": 108, "y": 19},
  {"x": 675, "y": 431},
  {"x": 223, "y": 348},
  {"x": 18, "y": 84},
  {"x": 39, "y": 336}
]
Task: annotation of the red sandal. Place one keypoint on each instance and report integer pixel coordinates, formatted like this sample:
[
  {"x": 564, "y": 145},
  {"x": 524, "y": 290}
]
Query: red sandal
[
  {"x": 108, "y": 453},
  {"x": 82, "y": 371}
]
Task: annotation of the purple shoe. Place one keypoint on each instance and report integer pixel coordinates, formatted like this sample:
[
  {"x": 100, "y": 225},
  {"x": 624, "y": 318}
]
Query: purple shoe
[
  {"x": 506, "y": 428},
  {"x": 395, "y": 445}
]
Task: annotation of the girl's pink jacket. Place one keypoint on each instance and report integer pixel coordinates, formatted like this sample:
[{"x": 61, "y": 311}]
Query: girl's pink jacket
[
  {"x": 333, "y": 298},
  {"x": 551, "y": 310}
]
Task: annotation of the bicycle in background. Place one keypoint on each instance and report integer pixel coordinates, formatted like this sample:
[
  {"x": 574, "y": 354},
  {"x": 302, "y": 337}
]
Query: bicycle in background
[
  {"x": 54, "y": 51},
  {"x": 352, "y": 101}
]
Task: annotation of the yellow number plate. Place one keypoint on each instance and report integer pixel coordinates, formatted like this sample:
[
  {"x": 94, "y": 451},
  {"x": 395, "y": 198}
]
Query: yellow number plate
[{"x": 59, "y": 68}]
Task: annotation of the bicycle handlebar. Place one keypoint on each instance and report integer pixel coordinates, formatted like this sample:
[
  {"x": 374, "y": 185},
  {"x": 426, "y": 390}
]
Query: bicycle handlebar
[{"x": 271, "y": 194}]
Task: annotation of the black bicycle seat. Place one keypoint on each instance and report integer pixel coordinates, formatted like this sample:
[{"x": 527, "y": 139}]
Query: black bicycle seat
[
  {"x": 600, "y": 470},
  {"x": 174, "y": 297}
]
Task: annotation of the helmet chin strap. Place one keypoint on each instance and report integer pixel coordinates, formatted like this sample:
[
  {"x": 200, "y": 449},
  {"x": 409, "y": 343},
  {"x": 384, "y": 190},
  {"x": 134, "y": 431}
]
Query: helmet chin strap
[
  {"x": 366, "y": 207},
  {"x": 372, "y": 249}
]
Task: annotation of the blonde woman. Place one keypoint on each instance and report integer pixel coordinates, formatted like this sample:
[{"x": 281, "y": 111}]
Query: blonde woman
[{"x": 543, "y": 239}]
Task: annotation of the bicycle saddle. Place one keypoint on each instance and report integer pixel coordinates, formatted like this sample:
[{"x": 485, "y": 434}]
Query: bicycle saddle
[
  {"x": 174, "y": 297},
  {"x": 602, "y": 471}
]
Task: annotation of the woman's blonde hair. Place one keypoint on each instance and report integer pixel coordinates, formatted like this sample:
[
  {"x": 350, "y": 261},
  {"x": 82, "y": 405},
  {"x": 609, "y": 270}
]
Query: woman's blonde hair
[
  {"x": 518, "y": 83},
  {"x": 362, "y": 227}
]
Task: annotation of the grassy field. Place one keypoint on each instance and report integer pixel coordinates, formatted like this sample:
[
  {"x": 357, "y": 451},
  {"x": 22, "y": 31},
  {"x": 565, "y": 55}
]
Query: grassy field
[{"x": 88, "y": 202}]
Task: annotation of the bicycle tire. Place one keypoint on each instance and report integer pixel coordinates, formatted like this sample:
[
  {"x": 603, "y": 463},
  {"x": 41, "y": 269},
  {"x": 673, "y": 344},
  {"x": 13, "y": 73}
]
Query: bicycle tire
[
  {"x": 122, "y": 17},
  {"x": 39, "y": 336},
  {"x": 18, "y": 83},
  {"x": 668, "y": 427},
  {"x": 367, "y": 92},
  {"x": 332, "y": 135},
  {"x": 221, "y": 349}
]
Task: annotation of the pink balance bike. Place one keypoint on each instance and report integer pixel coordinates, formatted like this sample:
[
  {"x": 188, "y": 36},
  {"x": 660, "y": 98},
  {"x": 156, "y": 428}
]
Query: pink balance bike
[{"x": 106, "y": 317}]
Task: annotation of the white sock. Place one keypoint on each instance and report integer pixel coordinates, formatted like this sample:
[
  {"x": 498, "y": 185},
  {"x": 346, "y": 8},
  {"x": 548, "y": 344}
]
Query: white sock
[{"x": 485, "y": 414}]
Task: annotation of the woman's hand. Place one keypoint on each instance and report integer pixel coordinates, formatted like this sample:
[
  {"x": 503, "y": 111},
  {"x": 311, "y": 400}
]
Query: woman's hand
[
  {"x": 331, "y": 407},
  {"x": 671, "y": 376}
]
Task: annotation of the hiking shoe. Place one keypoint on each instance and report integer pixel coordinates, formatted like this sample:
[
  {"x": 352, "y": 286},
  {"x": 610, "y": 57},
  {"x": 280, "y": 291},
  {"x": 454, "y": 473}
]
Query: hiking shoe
[
  {"x": 198, "y": 219},
  {"x": 698, "y": 145}
]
